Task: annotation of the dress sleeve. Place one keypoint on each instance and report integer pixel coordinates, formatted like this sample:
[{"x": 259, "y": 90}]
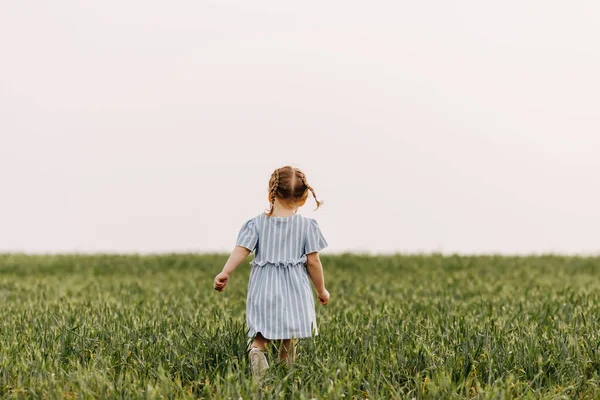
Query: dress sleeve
[
  {"x": 314, "y": 238},
  {"x": 248, "y": 236}
]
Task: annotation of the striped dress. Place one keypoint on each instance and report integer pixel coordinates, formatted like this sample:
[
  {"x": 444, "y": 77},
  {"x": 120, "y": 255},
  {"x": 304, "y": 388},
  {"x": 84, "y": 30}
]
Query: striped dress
[{"x": 280, "y": 302}]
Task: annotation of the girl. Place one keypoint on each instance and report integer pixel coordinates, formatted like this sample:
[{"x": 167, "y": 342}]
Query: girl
[{"x": 280, "y": 303}]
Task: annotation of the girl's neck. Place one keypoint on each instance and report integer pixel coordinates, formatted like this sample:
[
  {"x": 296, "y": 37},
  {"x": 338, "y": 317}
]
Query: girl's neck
[{"x": 279, "y": 210}]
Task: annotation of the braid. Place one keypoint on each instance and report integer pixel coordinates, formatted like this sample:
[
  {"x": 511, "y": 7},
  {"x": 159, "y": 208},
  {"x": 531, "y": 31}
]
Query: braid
[
  {"x": 275, "y": 186},
  {"x": 273, "y": 189},
  {"x": 312, "y": 191}
]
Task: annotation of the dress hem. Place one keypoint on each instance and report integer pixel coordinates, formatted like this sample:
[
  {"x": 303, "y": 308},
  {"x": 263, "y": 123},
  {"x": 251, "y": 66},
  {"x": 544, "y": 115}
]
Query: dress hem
[{"x": 286, "y": 338}]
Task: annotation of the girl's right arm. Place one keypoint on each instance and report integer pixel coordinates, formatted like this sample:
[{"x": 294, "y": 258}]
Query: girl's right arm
[
  {"x": 238, "y": 255},
  {"x": 315, "y": 271}
]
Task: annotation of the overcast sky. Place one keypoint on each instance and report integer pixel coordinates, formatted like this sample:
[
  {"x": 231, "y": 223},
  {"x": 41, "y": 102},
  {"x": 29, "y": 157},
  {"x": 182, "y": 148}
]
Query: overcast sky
[{"x": 151, "y": 126}]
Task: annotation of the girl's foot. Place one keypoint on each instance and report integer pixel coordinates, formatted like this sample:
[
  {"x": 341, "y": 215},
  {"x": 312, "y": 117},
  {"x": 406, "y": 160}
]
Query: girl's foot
[{"x": 259, "y": 363}]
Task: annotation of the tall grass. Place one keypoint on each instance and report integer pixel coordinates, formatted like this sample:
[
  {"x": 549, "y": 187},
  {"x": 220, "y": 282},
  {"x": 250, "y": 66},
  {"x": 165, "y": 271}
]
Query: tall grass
[{"x": 101, "y": 326}]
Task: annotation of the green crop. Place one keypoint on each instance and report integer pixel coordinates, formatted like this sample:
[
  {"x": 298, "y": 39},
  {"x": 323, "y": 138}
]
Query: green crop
[{"x": 489, "y": 327}]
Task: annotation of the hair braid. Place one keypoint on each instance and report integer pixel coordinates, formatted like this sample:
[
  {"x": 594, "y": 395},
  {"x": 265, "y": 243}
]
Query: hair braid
[
  {"x": 273, "y": 189},
  {"x": 311, "y": 190}
]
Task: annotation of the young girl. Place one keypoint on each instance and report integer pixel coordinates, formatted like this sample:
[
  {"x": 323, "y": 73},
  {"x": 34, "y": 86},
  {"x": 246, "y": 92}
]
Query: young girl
[{"x": 280, "y": 303}]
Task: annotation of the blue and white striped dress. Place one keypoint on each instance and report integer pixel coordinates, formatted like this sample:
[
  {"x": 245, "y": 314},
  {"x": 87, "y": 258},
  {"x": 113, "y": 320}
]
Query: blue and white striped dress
[{"x": 280, "y": 303}]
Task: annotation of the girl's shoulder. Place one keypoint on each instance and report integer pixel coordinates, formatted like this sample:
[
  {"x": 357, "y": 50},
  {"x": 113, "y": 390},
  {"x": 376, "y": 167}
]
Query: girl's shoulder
[
  {"x": 255, "y": 219},
  {"x": 251, "y": 222},
  {"x": 309, "y": 220}
]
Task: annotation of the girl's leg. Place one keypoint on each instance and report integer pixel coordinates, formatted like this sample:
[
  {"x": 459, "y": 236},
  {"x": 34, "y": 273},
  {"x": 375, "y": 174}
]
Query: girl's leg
[
  {"x": 259, "y": 342},
  {"x": 257, "y": 356},
  {"x": 287, "y": 352}
]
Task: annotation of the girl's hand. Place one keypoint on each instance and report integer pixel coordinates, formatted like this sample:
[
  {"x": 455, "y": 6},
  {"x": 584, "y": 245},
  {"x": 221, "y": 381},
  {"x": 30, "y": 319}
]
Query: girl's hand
[
  {"x": 323, "y": 297},
  {"x": 221, "y": 281}
]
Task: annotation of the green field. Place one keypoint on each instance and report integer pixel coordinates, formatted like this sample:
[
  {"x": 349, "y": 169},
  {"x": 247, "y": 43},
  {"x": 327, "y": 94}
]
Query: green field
[{"x": 397, "y": 327}]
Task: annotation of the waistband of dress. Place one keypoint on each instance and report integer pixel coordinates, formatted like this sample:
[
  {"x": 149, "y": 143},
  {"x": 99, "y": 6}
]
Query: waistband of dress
[{"x": 279, "y": 263}]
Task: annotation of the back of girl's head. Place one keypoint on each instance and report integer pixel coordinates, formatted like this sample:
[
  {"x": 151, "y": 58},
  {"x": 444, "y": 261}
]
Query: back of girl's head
[{"x": 289, "y": 186}]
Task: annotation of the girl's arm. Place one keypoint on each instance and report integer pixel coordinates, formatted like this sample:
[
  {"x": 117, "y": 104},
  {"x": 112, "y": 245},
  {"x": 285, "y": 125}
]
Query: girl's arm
[
  {"x": 315, "y": 271},
  {"x": 238, "y": 255}
]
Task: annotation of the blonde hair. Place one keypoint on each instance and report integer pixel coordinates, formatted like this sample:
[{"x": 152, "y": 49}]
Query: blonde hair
[{"x": 288, "y": 184}]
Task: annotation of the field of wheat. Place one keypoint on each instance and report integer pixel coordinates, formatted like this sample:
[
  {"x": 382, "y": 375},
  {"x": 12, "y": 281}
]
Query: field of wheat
[{"x": 110, "y": 326}]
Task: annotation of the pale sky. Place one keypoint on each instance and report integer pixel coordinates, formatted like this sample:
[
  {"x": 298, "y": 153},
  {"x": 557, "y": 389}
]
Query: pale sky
[{"x": 435, "y": 126}]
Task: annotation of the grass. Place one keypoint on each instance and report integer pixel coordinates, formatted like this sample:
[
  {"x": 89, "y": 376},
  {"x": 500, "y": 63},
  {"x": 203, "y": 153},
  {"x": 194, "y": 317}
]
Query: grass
[{"x": 434, "y": 327}]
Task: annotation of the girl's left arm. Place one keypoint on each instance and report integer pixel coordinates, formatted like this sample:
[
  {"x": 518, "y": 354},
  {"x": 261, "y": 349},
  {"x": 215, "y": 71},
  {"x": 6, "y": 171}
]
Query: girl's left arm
[{"x": 238, "y": 255}]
